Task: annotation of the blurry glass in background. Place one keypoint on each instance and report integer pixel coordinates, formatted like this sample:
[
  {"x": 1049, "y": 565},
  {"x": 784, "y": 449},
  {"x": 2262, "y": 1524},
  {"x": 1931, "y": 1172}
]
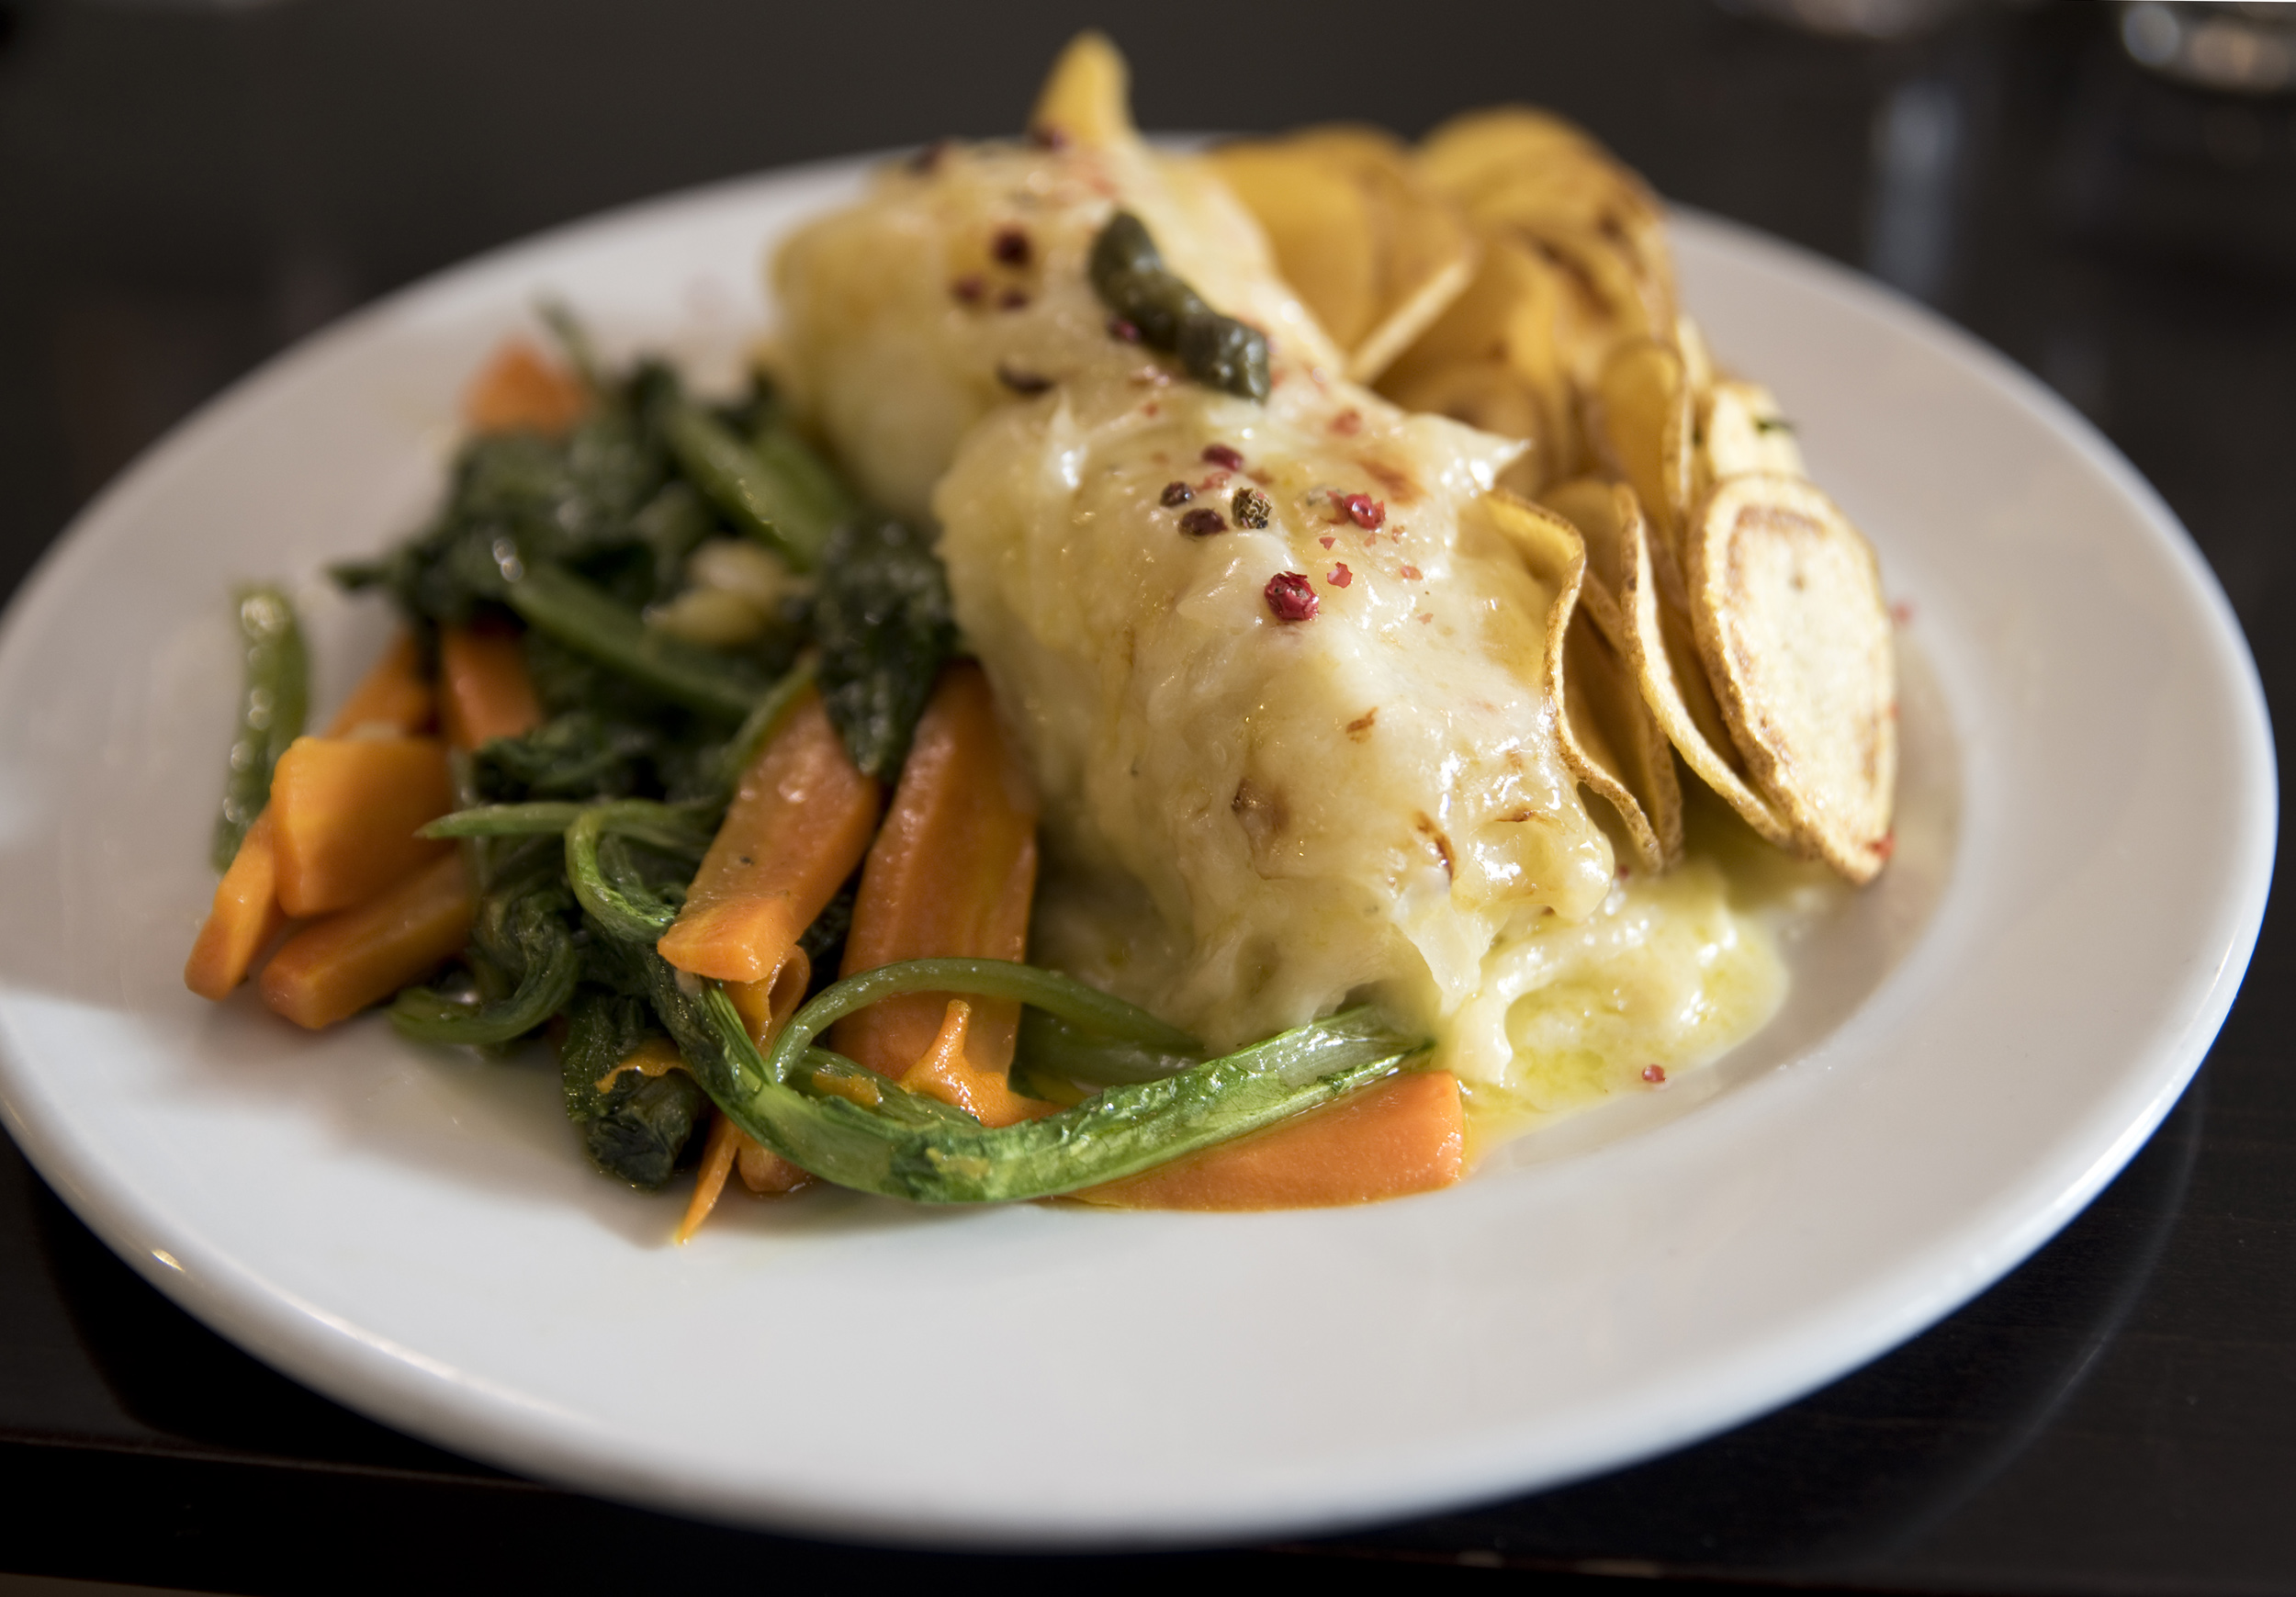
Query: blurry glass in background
[{"x": 2233, "y": 48}]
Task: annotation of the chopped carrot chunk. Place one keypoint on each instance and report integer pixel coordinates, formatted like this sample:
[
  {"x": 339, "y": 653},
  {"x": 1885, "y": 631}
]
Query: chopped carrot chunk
[
  {"x": 1401, "y": 1135},
  {"x": 798, "y": 826},
  {"x": 520, "y": 388},
  {"x": 484, "y": 690},
  {"x": 392, "y": 696},
  {"x": 334, "y": 968},
  {"x": 242, "y": 921},
  {"x": 346, "y": 812},
  {"x": 952, "y": 874}
]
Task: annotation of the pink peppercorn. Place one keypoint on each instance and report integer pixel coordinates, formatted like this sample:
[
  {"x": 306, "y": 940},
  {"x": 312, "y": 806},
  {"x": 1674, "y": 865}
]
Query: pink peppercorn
[
  {"x": 1176, "y": 494},
  {"x": 1290, "y": 596},
  {"x": 1655, "y": 1075},
  {"x": 1122, "y": 331},
  {"x": 1341, "y": 576},
  {"x": 1203, "y": 522},
  {"x": 1363, "y": 510},
  {"x": 1010, "y": 246},
  {"x": 1221, "y": 455},
  {"x": 968, "y": 289}
]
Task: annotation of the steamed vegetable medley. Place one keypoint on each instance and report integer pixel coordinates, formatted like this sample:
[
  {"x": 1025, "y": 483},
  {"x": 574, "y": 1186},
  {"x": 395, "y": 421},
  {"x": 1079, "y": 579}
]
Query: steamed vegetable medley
[{"x": 721, "y": 738}]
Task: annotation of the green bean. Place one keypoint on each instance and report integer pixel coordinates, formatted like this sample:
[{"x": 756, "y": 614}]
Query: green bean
[
  {"x": 273, "y": 701},
  {"x": 585, "y": 618}
]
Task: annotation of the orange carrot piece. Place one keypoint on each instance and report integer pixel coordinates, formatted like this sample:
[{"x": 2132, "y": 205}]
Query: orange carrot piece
[
  {"x": 946, "y": 1071},
  {"x": 1401, "y": 1135},
  {"x": 484, "y": 690},
  {"x": 242, "y": 921},
  {"x": 392, "y": 695},
  {"x": 792, "y": 835},
  {"x": 951, "y": 875},
  {"x": 334, "y": 968},
  {"x": 763, "y": 1171},
  {"x": 718, "y": 1154},
  {"x": 520, "y": 388},
  {"x": 346, "y": 810}
]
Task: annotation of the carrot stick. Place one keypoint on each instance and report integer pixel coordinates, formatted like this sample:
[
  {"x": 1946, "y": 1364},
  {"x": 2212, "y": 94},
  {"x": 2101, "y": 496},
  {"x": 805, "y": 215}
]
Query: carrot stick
[
  {"x": 392, "y": 695},
  {"x": 794, "y": 833},
  {"x": 242, "y": 921},
  {"x": 1401, "y": 1135},
  {"x": 946, "y": 1071},
  {"x": 334, "y": 968},
  {"x": 952, "y": 874},
  {"x": 484, "y": 690},
  {"x": 520, "y": 388},
  {"x": 717, "y": 1162},
  {"x": 345, "y": 811}
]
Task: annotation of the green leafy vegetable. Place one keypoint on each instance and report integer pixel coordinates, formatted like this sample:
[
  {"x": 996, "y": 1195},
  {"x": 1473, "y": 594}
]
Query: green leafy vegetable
[
  {"x": 885, "y": 625},
  {"x": 583, "y": 617},
  {"x": 641, "y": 1126}
]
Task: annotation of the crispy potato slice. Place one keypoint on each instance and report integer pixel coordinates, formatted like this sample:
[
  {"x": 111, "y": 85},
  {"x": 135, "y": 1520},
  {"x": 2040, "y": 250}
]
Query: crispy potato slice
[
  {"x": 1663, "y": 656},
  {"x": 1375, "y": 251},
  {"x": 1607, "y": 737},
  {"x": 1741, "y": 430},
  {"x": 1642, "y": 430},
  {"x": 1787, "y": 610},
  {"x": 1507, "y": 315},
  {"x": 1087, "y": 97},
  {"x": 1602, "y": 510},
  {"x": 1318, "y": 221}
]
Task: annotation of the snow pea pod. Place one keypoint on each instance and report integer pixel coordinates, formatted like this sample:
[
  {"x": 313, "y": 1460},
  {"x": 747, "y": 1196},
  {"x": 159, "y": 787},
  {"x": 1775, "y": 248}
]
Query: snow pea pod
[{"x": 274, "y": 698}]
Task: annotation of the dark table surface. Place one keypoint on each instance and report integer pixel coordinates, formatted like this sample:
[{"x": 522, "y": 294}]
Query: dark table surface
[{"x": 186, "y": 188}]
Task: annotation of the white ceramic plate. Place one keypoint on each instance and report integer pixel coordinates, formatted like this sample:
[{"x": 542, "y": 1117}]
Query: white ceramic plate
[{"x": 1975, "y": 1048}]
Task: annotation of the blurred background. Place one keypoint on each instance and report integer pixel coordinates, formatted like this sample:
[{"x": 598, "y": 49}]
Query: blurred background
[{"x": 2105, "y": 192}]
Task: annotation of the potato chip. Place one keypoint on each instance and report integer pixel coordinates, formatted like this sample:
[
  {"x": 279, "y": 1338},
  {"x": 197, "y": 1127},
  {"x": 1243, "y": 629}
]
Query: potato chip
[
  {"x": 1375, "y": 251},
  {"x": 1602, "y": 510},
  {"x": 1741, "y": 430},
  {"x": 1507, "y": 315},
  {"x": 1642, "y": 430},
  {"x": 1663, "y": 656},
  {"x": 1787, "y": 610},
  {"x": 1086, "y": 97},
  {"x": 1605, "y": 735}
]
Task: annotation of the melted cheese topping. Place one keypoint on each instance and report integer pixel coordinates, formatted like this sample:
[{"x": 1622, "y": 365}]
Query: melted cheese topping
[{"x": 1249, "y": 821}]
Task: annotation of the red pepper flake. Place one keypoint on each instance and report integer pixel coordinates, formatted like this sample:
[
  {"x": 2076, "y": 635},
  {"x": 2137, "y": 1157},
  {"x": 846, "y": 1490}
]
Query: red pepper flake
[
  {"x": 1122, "y": 331},
  {"x": 1364, "y": 511},
  {"x": 1425, "y": 616},
  {"x": 1341, "y": 577},
  {"x": 1290, "y": 596},
  {"x": 1220, "y": 454},
  {"x": 1176, "y": 494},
  {"x": 1203, "y": 522},
  {"x": 1411, "y": 573},
  {"x": 1348, "y": 423},
  {"x": 1010, "y": 246},
  {"x": 1655, "y": 1075},
  {"x": 969, "y": 289},
  {"x": 1885, "y": 846},
  {"x": 1326, "y": 542},
  {"x": 1012, "y": 299}
]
